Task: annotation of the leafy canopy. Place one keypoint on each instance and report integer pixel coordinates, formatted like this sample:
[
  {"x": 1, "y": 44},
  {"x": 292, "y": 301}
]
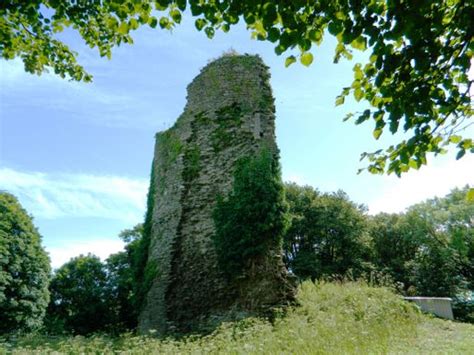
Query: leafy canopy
[
  {"x": 80, "y": 298},
  {"x": 415, "y": 81},
  {"x": 429, "y": 250},
  {"x": 85, "y": 287},
  {"x": 328, "y": 234},
  {"x": 126, "y": 276},
  {"x": 426, "y": 251},
  {"x": 24, "y": 269},
  {"x": 451, "y": 219}
]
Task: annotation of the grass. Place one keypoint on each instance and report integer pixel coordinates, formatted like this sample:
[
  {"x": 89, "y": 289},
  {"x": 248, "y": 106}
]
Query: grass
[{"x": 331, "y": 318}]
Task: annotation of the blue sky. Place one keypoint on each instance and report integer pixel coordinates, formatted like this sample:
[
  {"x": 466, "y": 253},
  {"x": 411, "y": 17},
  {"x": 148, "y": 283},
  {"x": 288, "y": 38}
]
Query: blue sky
[{"x": 78, "y": 155}]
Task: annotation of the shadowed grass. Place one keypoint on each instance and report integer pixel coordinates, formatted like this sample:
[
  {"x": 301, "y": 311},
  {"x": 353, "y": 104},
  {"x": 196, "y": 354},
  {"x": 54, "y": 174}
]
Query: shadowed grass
[{"x": 331, "y": 318}]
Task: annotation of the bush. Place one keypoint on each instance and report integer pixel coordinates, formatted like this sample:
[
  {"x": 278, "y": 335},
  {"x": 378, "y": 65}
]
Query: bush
[{"x": 463, "y": 309}]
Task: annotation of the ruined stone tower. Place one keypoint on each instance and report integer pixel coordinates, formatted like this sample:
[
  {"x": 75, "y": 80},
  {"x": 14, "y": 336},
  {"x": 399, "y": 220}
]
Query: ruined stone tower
[{"x": 229, "y": 114}]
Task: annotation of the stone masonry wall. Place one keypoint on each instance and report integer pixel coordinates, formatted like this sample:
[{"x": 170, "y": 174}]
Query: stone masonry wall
[{"x": 229, "y": 114}]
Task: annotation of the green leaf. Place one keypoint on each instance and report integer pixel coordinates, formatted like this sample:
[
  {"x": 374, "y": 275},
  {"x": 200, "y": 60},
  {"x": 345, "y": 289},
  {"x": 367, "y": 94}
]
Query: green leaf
[
  {"x": 123, "y": 28},
  {"x": 306, "y": 59},
  {"x": 249, "y": 18},
  {"x": 414, "y": 164},
  {"x": 209, "y": 32},
  {"x": 269, "y": 12},
  {"x": 358, "y": 94},
  {"x": 290, "y": 60},
  {"x": 133, "y": 24},
  {"x": 334, "y": 28},
  {"x": 455, "y": 139},
  {"x": 340, "y": 101},
  {"x": 153, "y": 22},
  {"x": 341, "y": 15},
  {"x": 466, "y": 144},
  {"x": 304, "y": 45},
  {"x": 377, "y": 133},
  {"x": 143, "y": 19},
  {"x": 279, "y": 49},
  {"x": 315, "y": 36},
  {"x": 200, "y": 23},
  {"x": 175, "y": 15},
  {"x": 164, "y": 22},
  {"x": 394, "y": 126},
  {"x": 460, "y": 154},
  {"x": 259, "y": 28},
  {"x": 273, "y": 34},
  {"x": 181, "y": 4},
  {"x": 362, "y": 118},
  {"x": 225, "y": 27},
  {"x": 403, "y": 155},
  {"x": 359, "y": 43},
  {"x": 358, "y": 74},
  {"x": 348, "y": 116}
]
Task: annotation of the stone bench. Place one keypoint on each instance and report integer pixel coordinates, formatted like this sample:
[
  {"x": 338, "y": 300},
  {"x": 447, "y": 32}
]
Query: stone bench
[{"x": 439, "y": 306}]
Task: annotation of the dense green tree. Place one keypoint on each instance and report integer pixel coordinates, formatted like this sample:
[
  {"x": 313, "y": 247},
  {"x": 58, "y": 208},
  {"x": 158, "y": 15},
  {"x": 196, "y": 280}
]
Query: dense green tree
[
  {"x": 299, "y": 256},
  {"x": 123, "y": 270},
  {"x": 24, "y": 269},
  {"x": 435, "y": 271},
  {"x": 451, "y": 219},
  {"x": 429, "y": 249},
  {"x": 85, "y": 286},
  {"x": 415, "y": 80},
  {"x": 80, "y": 297},
  {"x": 120, "y": 287},
  {"x": 395, "y": 242},
  {"x": 251, "y": 220},
  {"x": 328, "y": 234}
]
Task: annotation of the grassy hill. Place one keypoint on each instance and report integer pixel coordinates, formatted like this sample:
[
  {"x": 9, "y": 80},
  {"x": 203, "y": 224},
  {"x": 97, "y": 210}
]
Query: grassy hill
[{"x": 332, "y": 318}]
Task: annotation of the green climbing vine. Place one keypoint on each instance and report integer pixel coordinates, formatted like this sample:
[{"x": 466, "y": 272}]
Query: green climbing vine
[
  {"x": 142, "y": 271},
  {"x": 170, "y": 148},
  {"x": 192, "y": 156},
  {"x": 145, "y": 270},
  {"x": 251, "y": 220},
  {"x": 228, "y": 117}
]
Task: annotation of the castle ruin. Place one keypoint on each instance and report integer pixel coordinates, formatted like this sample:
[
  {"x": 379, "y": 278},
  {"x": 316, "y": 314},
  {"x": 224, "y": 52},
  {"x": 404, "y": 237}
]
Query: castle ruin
[{"x": 229, "y": 114}]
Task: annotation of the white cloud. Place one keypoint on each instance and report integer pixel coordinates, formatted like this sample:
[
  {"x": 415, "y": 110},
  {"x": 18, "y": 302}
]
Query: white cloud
[
  {"x": 87, "y": 102},
  {"x": 99, "y": 247},
  {"x": 52, "y": 196},
  {"x": 437, "y": 179}
]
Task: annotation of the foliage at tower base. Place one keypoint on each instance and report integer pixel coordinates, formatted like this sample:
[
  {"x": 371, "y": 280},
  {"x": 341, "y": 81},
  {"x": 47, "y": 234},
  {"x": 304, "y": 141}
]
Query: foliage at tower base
[
  {"x": 250, "y": 223},
  {"x": 328, "y": 236},
  {"x": 24, "y": 269}
]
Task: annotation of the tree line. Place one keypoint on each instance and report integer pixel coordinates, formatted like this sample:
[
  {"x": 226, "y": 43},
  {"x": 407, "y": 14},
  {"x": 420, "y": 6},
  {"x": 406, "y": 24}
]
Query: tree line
[{"x": 428, "y": 250}]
